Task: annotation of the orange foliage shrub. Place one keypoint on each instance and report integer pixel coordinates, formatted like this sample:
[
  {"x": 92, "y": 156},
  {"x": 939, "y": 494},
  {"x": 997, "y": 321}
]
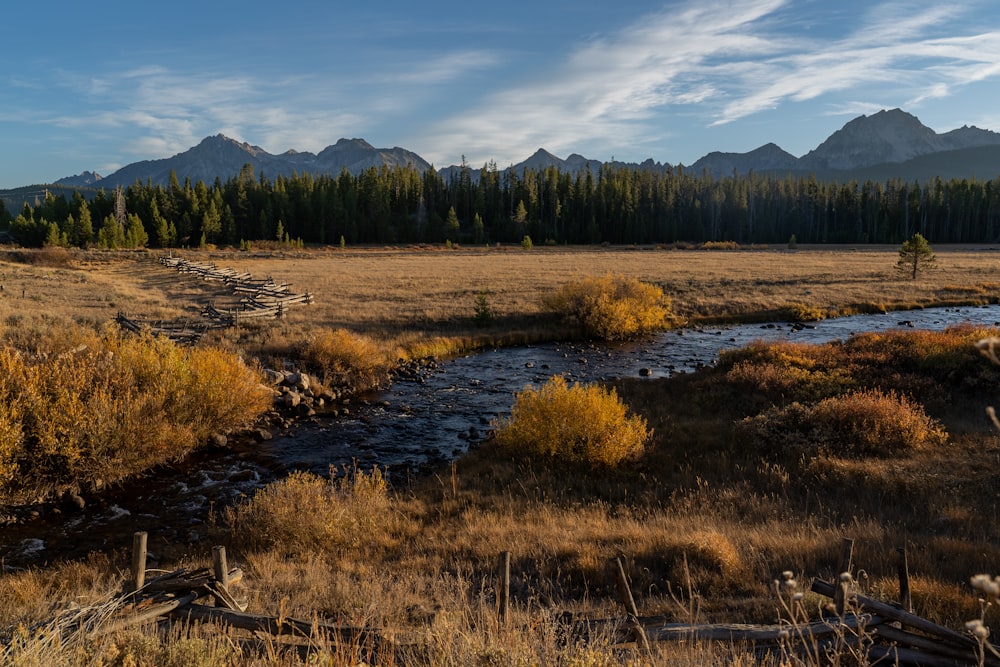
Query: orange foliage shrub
[
  {"x": 577, "y": 423},
  {"x": 921, "y": 364}
]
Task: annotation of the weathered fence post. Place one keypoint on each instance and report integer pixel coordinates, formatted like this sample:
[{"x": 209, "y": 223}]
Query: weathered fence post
[
  {"x": 904, "y": 581},
  {"x": 625, "y": 594},
  {"x": 220, "y": 567},
  {"x": 503, "y": 591},
  {"x": 138, "y": 561}
]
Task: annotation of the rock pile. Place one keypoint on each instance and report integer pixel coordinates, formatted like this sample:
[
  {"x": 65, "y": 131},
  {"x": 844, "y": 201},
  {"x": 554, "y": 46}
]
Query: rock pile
[{"x": 296, "y": 394}]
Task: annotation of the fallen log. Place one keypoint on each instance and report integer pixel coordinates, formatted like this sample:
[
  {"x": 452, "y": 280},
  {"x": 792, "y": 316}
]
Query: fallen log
[
  {"x": 903, "y": 638},
  {"x": 821, "y": 629},
  {"x": 146, "y": 614},
  {"x": 894, "y": 614},
  {"x": 275, "y": 625}
]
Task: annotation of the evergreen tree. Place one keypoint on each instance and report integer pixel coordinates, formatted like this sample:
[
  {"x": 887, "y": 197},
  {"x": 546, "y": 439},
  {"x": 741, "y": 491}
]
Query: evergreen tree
[
  {"x": 135, "y": 233},
  {"x": 478, "y": 231},
  {"x": 111, "y": 234},
  {"x": 54, "y": 238},
  {"x": 451, "y": 225},
  {"x": 915, "y": 256},
  {"x": 84, "y": 229}
]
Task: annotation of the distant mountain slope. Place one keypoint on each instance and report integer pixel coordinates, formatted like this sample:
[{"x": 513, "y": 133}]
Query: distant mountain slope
[
  {"x": 767, "y": 158},
  {"x": 222, "y": 157},
  {"x": 85, "y": 180},
  {"x": 887, "y": 144},
  {"x": 980, "y": 162},
  {"x": 888, "y": 137}
]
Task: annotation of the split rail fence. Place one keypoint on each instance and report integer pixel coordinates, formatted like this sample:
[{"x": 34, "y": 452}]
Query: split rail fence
[
  {"x": 258, "y": 299},
  {"x": 869, "y": 631}
]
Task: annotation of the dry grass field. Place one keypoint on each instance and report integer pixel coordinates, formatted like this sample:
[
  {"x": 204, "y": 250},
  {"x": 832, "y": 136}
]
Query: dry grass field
[
  {"x": 705, "y": 520},
  {"x": 403, "y": 295}
]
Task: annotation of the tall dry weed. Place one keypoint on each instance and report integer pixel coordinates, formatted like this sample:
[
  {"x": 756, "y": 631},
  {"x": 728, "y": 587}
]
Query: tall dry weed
[{"x": 304, "y": 512}]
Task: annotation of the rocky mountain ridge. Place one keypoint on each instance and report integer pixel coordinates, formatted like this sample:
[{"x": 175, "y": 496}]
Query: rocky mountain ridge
[{"x": 883, "y": 145}]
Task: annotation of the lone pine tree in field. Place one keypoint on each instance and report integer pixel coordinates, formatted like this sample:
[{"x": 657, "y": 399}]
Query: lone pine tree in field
[{"x": 915, "y": 256}]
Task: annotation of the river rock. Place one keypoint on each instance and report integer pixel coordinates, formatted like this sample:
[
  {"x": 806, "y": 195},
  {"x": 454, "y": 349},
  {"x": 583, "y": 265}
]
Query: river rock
[
  {"x": 73, "y": 501},
  {"x": 292, "y": 399},
  {"x": 218, "y": 440},
  {"x": 272, "y": 377},
  {"x": 262, "y": 435},
  {"x": 299, "y": 381}
]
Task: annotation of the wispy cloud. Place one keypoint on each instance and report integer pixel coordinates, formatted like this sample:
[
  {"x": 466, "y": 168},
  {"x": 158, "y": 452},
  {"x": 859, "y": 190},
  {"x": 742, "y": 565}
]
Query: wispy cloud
[
  {"x": 612, "y": 84},
  {"x": 166, "y": 111},
  {"x": 732, "y": 59},
  {"x": 895, "y": 46},
  {"x": 707, "y": 62}
]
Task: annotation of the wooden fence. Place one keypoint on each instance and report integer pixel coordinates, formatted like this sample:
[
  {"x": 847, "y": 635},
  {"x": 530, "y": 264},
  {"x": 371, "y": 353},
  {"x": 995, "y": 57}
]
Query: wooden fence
[
  {"x": 258, "y": 299},
  {"x": 859, "y": 629}
]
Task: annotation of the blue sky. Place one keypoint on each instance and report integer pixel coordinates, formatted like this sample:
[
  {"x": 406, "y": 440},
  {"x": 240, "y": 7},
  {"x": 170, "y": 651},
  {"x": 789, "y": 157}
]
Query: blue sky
[{"x": 96, "y": 86}]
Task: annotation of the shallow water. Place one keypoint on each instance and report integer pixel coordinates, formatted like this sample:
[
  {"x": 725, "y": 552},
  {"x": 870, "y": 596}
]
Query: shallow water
[
  {"x": 411, "y": 425},
  {"x": 420, "y": 422}
]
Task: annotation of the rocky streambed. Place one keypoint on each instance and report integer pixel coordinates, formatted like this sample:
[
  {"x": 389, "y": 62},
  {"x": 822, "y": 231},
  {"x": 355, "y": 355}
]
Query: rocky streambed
[{"x": 430, "y": 414}]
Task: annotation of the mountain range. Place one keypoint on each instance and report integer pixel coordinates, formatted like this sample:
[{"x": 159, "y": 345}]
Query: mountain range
[{"x": 887, "y": 144}]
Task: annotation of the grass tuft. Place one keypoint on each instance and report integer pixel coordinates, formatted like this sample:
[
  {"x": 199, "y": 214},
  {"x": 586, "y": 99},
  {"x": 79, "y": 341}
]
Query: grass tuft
[{"x": 304, "y": 512}]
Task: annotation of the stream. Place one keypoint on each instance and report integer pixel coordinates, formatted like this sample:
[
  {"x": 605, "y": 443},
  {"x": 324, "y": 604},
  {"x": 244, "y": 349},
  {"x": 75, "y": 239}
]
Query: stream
[{"x": 416, "y": 423}]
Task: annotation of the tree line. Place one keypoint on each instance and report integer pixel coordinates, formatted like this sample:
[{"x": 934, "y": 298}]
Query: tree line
[{"x": 617, "y": 205}]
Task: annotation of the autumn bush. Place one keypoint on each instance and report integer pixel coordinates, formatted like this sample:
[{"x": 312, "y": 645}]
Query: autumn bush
[
  {"x": 612, "y": 307},
  {"x": 575, "y": 423},
  {"x": 343, "y": 358},
  {"x": 305, "y": 512},
  {"x": 856, "y": 424},
  {"x": 929, "y": 366},
  {"x": 802, "y": 312},
  {"x": 83, "y": 406}
]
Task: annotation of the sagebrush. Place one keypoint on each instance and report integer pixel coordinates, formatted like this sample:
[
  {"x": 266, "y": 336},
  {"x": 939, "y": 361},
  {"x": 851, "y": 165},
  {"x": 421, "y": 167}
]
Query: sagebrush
[
  {"x": 858, "y": 423},
  {"x": 305, "y": 512}
]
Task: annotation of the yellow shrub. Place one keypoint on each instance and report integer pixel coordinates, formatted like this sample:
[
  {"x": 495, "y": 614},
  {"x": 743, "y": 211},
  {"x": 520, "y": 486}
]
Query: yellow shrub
[
  {"x": 720, "y": 245},
  {"x": 579, "y": 423},
  {"x": 305, "y": 512},
  {"x": 346, "y": 359},
  {"x": 612, "y": 307},
  {"x": 800, "y": 312},
  {"x": 84, "y": 406}
]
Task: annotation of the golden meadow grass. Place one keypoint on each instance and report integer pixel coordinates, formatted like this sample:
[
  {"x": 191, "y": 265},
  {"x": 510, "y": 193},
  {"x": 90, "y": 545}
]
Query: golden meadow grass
[{"x": 699, "y": 506}]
